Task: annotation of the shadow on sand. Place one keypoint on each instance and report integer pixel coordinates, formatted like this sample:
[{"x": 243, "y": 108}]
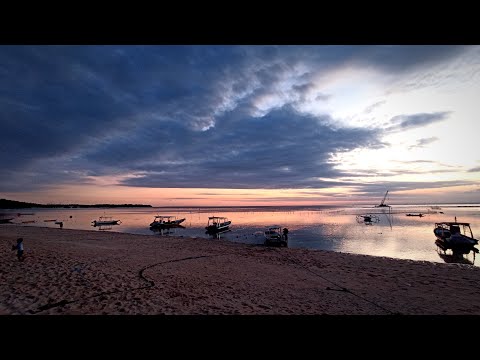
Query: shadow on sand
[{"x": 456, "y": 259}]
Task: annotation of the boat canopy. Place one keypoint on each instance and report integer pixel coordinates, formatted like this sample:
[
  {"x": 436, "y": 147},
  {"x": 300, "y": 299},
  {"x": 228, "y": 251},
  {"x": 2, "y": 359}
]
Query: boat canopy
[{"x": 449, "y": 223}]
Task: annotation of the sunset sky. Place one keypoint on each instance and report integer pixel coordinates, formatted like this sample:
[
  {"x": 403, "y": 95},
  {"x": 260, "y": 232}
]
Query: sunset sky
[{"x": 240, "y": 125}]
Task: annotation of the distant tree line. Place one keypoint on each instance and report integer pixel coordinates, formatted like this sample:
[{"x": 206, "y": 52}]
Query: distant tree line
[{"x": 12, "y": 204}]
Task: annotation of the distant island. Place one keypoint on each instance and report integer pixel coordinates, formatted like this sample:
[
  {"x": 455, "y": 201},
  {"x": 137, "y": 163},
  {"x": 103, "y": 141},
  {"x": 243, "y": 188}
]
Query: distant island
[{"x": 12, "y": 204}]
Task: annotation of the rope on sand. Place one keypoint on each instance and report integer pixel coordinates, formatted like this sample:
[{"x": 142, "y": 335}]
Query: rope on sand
[
  {"x": 340, "y": 288},
  {"x": 140, "y": 273},
  {"x": 151, "y": 284}
]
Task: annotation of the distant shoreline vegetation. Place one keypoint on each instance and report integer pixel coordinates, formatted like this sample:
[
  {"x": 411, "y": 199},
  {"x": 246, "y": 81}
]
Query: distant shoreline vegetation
[{"x": 12, "y": 204}]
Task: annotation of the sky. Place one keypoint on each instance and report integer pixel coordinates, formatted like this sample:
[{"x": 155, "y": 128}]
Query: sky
[{"x": 242, "y": 125}]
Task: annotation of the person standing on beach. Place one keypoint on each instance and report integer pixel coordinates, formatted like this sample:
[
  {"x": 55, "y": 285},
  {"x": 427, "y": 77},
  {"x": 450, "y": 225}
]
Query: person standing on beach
[{"x": 19, "y": 248}]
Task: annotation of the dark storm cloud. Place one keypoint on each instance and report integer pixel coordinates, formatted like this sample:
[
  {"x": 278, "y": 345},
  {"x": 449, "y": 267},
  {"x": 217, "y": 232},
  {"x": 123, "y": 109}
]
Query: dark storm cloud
[
  {"x": 284, "y": 149},
  {"x": 405, "y": 122},
  {"x": 177, "y": 115}
]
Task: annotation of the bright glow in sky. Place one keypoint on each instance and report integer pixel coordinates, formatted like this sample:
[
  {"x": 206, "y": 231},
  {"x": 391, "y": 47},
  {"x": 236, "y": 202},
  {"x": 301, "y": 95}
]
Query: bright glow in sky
[{"x": 239, "y": 125}]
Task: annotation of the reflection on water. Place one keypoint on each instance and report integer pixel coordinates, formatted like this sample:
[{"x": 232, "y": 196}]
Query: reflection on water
[
  {"x": 218, "y": 234},
  {"x": 327, "y": 228},
  {"x": 450, "y": 258},
  {"x": 166, "y": 230}
]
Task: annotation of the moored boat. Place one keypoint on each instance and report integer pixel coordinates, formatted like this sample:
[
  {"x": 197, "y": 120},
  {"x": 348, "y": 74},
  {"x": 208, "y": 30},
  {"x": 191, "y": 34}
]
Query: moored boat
[
  {"x": 367, "y": 219},
  {"x": 217, "y": 224},
  {"x": 274, "y": 236},
  {"x": 105, "y": 220},
  {"x": 166, "y": 221},
  {"x": 456, "y": 236}
]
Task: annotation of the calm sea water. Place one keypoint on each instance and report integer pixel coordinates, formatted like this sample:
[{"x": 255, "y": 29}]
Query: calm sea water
[{"x": 328, "y": 228}]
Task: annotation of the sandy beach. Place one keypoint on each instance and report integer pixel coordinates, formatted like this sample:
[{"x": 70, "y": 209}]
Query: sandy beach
[{"x": 91, "y": 272}]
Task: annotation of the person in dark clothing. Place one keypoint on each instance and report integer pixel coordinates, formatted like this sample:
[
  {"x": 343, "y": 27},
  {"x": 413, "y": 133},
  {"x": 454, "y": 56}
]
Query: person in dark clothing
[
  {"x": 285, "y": 233},
  {"x": 19, "y": 247}
]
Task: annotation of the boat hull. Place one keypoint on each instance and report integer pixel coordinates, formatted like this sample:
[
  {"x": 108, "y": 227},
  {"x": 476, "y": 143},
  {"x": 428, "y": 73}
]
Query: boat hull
[
  {"x": 275, "y": 241},
  {"x": 175, "y": 223},
  {"x": 218, "y": 228},
  {"x": 165, "y": 226},
  {"x": 458, "y": 248},
  {"x": 101, "y": 223}
]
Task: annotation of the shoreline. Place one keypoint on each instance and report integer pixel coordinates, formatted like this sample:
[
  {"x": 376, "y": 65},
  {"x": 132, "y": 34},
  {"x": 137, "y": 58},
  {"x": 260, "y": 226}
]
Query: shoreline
[{"x": 83, "y": 272}]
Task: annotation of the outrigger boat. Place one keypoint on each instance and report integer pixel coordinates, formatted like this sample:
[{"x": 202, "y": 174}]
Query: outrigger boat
[
  {"x": 419, "y": 215},
  {"x": 367, "y": 219},
  {"x": 166, "y": 221},
  {"x": 456, "y": 236},
  {"x": 274, "y": 236},
  {"x": 105, "y": 220},
  {"x": 217, "y": 224}
]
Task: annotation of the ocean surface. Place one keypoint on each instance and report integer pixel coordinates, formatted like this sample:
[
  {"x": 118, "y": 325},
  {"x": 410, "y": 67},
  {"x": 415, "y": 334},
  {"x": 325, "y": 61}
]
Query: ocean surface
[{"x": 391, "y": 234}]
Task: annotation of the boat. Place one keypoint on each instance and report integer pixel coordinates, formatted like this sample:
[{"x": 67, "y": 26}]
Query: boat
[
  {"x": 367, "y": 219},
  {"x": 382, "y": 204},
  {"x": 166, "y": 221},
  {"x": 105, "y": 220},
  {"x": 456, "y": 236},
  {"x": 217, "y": 224},
  {"x": 6, "y": 220},
  {"x": 274, "y": 236},
  {"x": 419, "y": 215}
]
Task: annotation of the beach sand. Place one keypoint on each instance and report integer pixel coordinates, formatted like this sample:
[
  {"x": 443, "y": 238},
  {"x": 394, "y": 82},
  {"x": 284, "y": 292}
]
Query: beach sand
[{"x": 92, "y": 272}]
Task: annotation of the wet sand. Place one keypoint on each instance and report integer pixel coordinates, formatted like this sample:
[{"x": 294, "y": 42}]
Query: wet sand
[{"x": 91, "y": 272}]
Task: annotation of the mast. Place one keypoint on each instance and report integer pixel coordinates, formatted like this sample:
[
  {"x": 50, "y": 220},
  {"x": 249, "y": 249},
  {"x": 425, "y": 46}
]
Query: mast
[{"x": 381, "y": 204}]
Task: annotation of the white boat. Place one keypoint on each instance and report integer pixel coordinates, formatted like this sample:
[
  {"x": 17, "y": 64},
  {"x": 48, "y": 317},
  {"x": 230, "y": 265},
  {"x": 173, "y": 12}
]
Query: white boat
[
  {"x": 166, "y": 221},
  {"x": 217, "y": 224},
  {"x": 105, "y": 220},
  {"x": 274, "y": 236}
]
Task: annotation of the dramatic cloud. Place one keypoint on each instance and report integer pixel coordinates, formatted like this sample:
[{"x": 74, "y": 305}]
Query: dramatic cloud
[
  {"x": 193, "y": 116},
  {"x": 284, "y": 149}
]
